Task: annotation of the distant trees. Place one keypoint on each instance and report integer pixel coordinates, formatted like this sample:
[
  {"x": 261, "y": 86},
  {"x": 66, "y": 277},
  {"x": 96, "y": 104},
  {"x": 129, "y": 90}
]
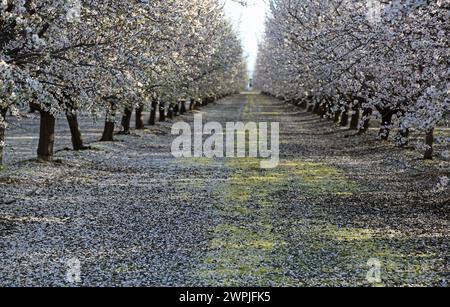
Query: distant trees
[
  {"x": 110, "y": 57},
  {"x": 384, "y": 59}
]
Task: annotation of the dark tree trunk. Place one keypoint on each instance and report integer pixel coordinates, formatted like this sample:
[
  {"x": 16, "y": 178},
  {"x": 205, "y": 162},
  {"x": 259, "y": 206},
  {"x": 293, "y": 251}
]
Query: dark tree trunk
[
  {"x": 429, "y": 141},
  {"x": 303, "y": 104},
  {"x": 354, "y": 122},
  {"x": 108, "y": 132},
  {"x": 77, "y": 140},
  {"x": 183, "y": 108},
  {"x": 46, "y": 137},
  {"x": 366, "y": 121},
  {"x": 140, "y": 118},
  {"x": 170, "y": 112},
  {"x": 385, "y": 129},
  {"x": 176, "y": 109},
  {"x": 126, "y": 122},
  {"x": 191, "y": 105},
  {"x": 316, "y": 108},
  {"x": 337, "y": 116},
  {"x": 2, "y": 134},
  {"x": 310, "y": 107},
  {"x": 328, "y": 112},
  {"x": 344, "y": 119},
  {"x": 152, "y": 119},
  {"x": 162, "y": 111},
  {"x": 322, "y": 110},
  {"x": 402, "y": 137}
]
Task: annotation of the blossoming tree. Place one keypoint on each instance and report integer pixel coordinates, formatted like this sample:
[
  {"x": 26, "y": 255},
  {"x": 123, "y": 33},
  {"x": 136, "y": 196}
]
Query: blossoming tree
[
  {"x": 107, "y": 57},
  {"x": 384, "y": 59}
]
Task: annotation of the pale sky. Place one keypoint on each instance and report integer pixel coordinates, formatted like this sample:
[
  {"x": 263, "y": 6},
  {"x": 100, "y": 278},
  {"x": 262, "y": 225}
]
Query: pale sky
[{"x": 249, "y": 21}]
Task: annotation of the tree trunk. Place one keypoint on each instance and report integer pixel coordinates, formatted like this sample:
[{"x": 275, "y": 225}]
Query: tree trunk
[
  {"x": 322, "y": 111},
  {"x": 162, "y": 111},
  {"x": 2, "y": 133},
  {"x": 402, "y": 137},
  {"x": 183, "y": 108},
  {"x": 126, "y": 122},
  {"x": 108, "y": 132},
  {"x": 354, "y": 122},
  {"x": 328, "y": 112},
  {"x": 344, "y": 119},
  {"x": 77, "y": 140},
  {"x": 152, "y": 120},
  {"x": 337, "y": 116},
  {"x": 170, "y": 112},
  {"x": 429, "y": 141},
  {"x": 140, "y": 118},
  {"x": 316, "y": 108},
  {"x": 366, "y": 121},
  {"x": 303, "y": 104},
  {"x": 176, "y": 109},
  {"x": 191, "y": 105},
  {"x": 46, "y": 137},
  {"x": 385, "y": 129},
  {"x": 310, "y": 107}
]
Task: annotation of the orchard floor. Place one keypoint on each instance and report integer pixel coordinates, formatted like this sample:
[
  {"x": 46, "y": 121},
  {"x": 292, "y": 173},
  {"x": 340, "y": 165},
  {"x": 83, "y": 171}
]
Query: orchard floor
[{"x": 133, "y": 215}]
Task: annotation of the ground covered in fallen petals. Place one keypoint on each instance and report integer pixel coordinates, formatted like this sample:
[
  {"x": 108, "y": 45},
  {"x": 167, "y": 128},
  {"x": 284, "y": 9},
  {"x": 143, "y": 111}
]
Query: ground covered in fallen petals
[{"x": 133, "y": 215}]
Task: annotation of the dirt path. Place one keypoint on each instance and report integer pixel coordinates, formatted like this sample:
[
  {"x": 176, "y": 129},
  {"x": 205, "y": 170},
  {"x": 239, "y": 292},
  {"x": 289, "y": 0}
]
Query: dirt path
[{"x": 134, "y": 215}]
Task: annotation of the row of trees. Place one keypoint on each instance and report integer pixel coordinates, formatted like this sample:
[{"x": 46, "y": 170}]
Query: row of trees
[
  {"x": 355, "y": 60},
  {"x": 110, "y": 57}
]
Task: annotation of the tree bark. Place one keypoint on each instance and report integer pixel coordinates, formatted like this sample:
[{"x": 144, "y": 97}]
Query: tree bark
[
  {"x": 2, "y": 134},
  {"x": 402, "y": 137},
  {"x": 183, "y": 107},
  {"x": 176, "y": 109},
  {"x": 197, "y": 104},
  {"x": 344, "y": 119},
  {"x": 429, "y": 141},
  {"x": 337, "y": 116},
  {"x": 385, "y": 129},
  {"x": 303, "y": 104},
  {"x": 46, "y": 137},
  {"x": 77, "y": 140},
  {"x": 354, "y": 122},
  {"x": 162, "y": 111},
  {"x": 140, "y": 118},
  {"x": 322, "y": 111},
  {"x": 170, "y": 112},
  {"x": 366, "y": 121},
  {"x": 152, "y": 120},
  {"x": 191, "y": 105},
  {"x": 316, "y": 108},
  {"x": 126, "y": 122},
  {"x": 108, "y": 131}
]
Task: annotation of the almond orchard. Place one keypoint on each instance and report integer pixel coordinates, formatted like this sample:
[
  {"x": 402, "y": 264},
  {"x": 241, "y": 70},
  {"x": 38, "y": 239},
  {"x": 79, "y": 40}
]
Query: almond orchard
[
  {"x": 384, "y": 60},
  {"x": 107, "y": 58}
]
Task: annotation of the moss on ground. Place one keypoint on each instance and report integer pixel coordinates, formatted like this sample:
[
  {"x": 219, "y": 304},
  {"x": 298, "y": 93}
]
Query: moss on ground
[{"x": 246, "y": 248}]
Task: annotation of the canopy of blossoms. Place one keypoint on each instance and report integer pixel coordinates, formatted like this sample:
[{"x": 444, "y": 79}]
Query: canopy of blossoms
[
  {"x": 101, "y": 57},
  {"x": 385, "y": 59}
]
